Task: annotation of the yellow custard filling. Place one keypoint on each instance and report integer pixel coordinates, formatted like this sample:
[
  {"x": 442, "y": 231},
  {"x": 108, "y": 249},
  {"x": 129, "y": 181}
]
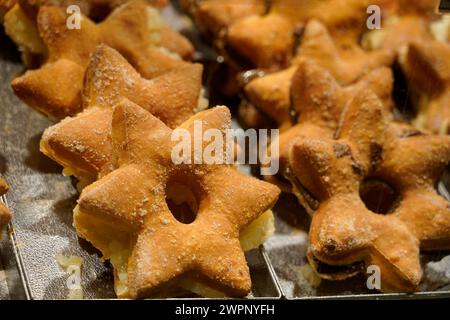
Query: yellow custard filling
[
  {"x": 66, "y": 263},
  {"x": 24, "y": 33},
  {"x": 116, "y": 244}
]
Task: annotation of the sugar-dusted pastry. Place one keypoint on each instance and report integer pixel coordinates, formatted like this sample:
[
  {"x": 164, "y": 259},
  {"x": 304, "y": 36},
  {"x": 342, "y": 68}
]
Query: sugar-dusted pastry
[
  {"x": 270, "y": 93},
  {"x": 262, "y": 41},
  {"x": 423, "y": 7},
  {"x": 318, "y": 101},
  {"x": 397, "y": 33},
  {"x": 5, "y": 213},
  {"x": 166, "y": 226},
  {"x": 268, "y": 41},
  {"x": 213, "y": 17},
  {"x": 346, "y": 20},
  {"x": 82, "y": 144},
  {"x": 55, "y": 88},
  {"x": 411, "y": 22},
  {"x": 22, "y": 26},
  {"x": 91, "y": 8},
  {"x": 5, "y": 6},
  {"x": 347, "y": 233},
  {"x": 427, "y": 66},
  {"x": 22, "y": 30}
]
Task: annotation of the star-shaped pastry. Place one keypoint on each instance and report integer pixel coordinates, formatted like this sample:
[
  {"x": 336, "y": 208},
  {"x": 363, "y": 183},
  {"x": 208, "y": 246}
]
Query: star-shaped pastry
[
  {"x": 267, "y": 41},
  {"x": 424, "y": 7},
  {"x": 55, "y": 88},
  {"x": 369, "y": 151},
  {"x": 318, "y": 100},
  {"x": 82, "y": 144},
  {"x": 21, "y": 23},
  {"x": 22, "y": 31},
  {"x": 5, "y": 214},
  {"x": 164, "y": 252},
  {"x": 270, "y": 93},
  {"x": 413, "y": 162},
  {"x": 214, "y": 16},
  {"x": 97, "y": 9},
  {"x": 427, "y": 67},
  {"x": 397, "y": 33}
]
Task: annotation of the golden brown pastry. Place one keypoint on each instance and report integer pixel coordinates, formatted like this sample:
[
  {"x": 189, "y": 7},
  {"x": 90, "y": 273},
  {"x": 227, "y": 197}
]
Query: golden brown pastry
[
  {"x": 427, "y": 66},
  {"x": 214, "y": 16},
  {"x": 423, "y": 7},
  {"x": 346, "y": 234},
  {"x": 410, "y": 23},
  {"x": 397, "y": 33},
  {"x": 5, "y": 213},
  {"x": 5, "y": 6},
  {"x": 82, "y": 144},
  {"x": 270, "y": 93},
  {"x": 262, "y": 34},
  {"x": 55, "y": 88},
  {"x": 160, "y": 248},
  {"x": 21, "y": 24},
  {"x": 91, "y": 8},
  {"x": 319, "y": 100},
  {"x": 346, "y": 20},
  {"x": 267, "y": 41}
]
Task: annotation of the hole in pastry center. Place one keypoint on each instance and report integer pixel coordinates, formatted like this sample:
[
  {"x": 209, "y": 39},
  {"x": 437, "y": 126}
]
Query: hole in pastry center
[
  {"x": 181, "y": 202},
  {"x": 378, "y": 196}
]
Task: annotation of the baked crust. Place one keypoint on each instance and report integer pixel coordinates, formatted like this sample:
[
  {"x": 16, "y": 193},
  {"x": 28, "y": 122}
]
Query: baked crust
[
  {"x": 215, "y": 16},
  {"x": 343, "y": 231},
  {"x": 271, "y": 93},
  {"x": 428, "y": 70},
  {"x": 263, "y": 34},
  {"x": 92, "y": 8},
  {"x": 5, "y": 6},
  {"x": 319, "y": 101},
  {"x": 55, "y": 88},
  {"x": 135, "y": 195},
  {"x": 82, "y": 144}
]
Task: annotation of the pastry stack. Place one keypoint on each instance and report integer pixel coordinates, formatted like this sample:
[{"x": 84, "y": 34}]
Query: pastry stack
[
  {"x": 116, "y": 88},
  {"x": 364, "y": 171}
]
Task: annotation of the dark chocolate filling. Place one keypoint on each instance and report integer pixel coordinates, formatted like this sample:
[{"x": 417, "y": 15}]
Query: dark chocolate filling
[
  {"x": 334, "y": 270},
  {"x": 311, "y": 200}
]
